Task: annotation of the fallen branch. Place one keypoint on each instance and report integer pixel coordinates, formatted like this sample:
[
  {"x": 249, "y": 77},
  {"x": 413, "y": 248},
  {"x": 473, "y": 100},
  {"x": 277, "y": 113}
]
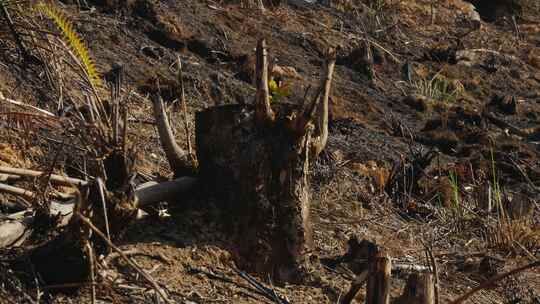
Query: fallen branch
[
  {"x": 17, "y": 191},
  {"x": 164, "y": 191},
  {"x": 7, "y": 177},
  {"x": 27, "y": 194},
  {"x": 493, "y": 280},
  {"x": 18, "y": 103},
  {"x": 58, "y": 179}
]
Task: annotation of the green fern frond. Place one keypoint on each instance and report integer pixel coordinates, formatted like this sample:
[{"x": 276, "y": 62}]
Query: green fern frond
[{"x": 73, "y": 39}]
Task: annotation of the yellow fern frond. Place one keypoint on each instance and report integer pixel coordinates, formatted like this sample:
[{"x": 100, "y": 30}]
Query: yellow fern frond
[{"x": 73, "y": 39}]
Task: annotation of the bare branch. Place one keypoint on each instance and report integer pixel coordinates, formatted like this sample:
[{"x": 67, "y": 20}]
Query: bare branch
[
  {"x": 21, "y": 104},
  {"x": 263, "y": 110},
  {"x": 178, "y": 158},
  {"x": 27, "y": 194},
  {"x": 16, "y": 191},
  {"x": 321, "y": 126},
  {"x": 180, "y": 82}
]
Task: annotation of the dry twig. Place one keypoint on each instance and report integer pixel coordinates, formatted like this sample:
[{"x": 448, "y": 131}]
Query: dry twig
[{"x": 139, "y": 270}]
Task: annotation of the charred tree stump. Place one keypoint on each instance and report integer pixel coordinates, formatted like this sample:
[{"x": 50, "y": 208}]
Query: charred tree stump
[
  {"x": 420, "y": 289},
  {"x": 260, "y": 175},
  {"x": 378, "y": 284},
  {"x": 255, "y": 158}
]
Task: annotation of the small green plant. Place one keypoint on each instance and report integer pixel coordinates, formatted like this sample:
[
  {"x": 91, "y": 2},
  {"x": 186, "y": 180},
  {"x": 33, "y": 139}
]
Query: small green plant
[
  {"x": 439, "y": 88},
  {"x": 277, "y": 89}
]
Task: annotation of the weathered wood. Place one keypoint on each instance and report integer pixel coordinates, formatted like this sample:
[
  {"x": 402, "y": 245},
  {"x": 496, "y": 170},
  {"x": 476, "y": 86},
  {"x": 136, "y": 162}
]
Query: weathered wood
[
  {"x": 420, "y": 289},
  {"x": 177, "y": 157},
  {"x": 321, "y": 126},
  {"x": 8, "y": 177},
  {"x": 57, "y": 179},
  {"x": 29, "y": 195},
  {"x": 16, "y": 191},
  {"x": 263, "y": 111},
  {"x": 165, "y": 191},
  {"x": 378, "y": 285},
  {"x": 47, "y": 114}
]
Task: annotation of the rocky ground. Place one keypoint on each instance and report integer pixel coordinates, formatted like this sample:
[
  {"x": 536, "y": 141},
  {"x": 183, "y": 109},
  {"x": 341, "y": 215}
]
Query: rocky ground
[{"x": 420, "y": 86}]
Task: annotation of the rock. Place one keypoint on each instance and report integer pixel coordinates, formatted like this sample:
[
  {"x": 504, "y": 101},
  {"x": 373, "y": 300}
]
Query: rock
[
  {"x": 469, "y": 17},
  {"x": 487, "y": 59},
  {"x": 152, "y": 52}
]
